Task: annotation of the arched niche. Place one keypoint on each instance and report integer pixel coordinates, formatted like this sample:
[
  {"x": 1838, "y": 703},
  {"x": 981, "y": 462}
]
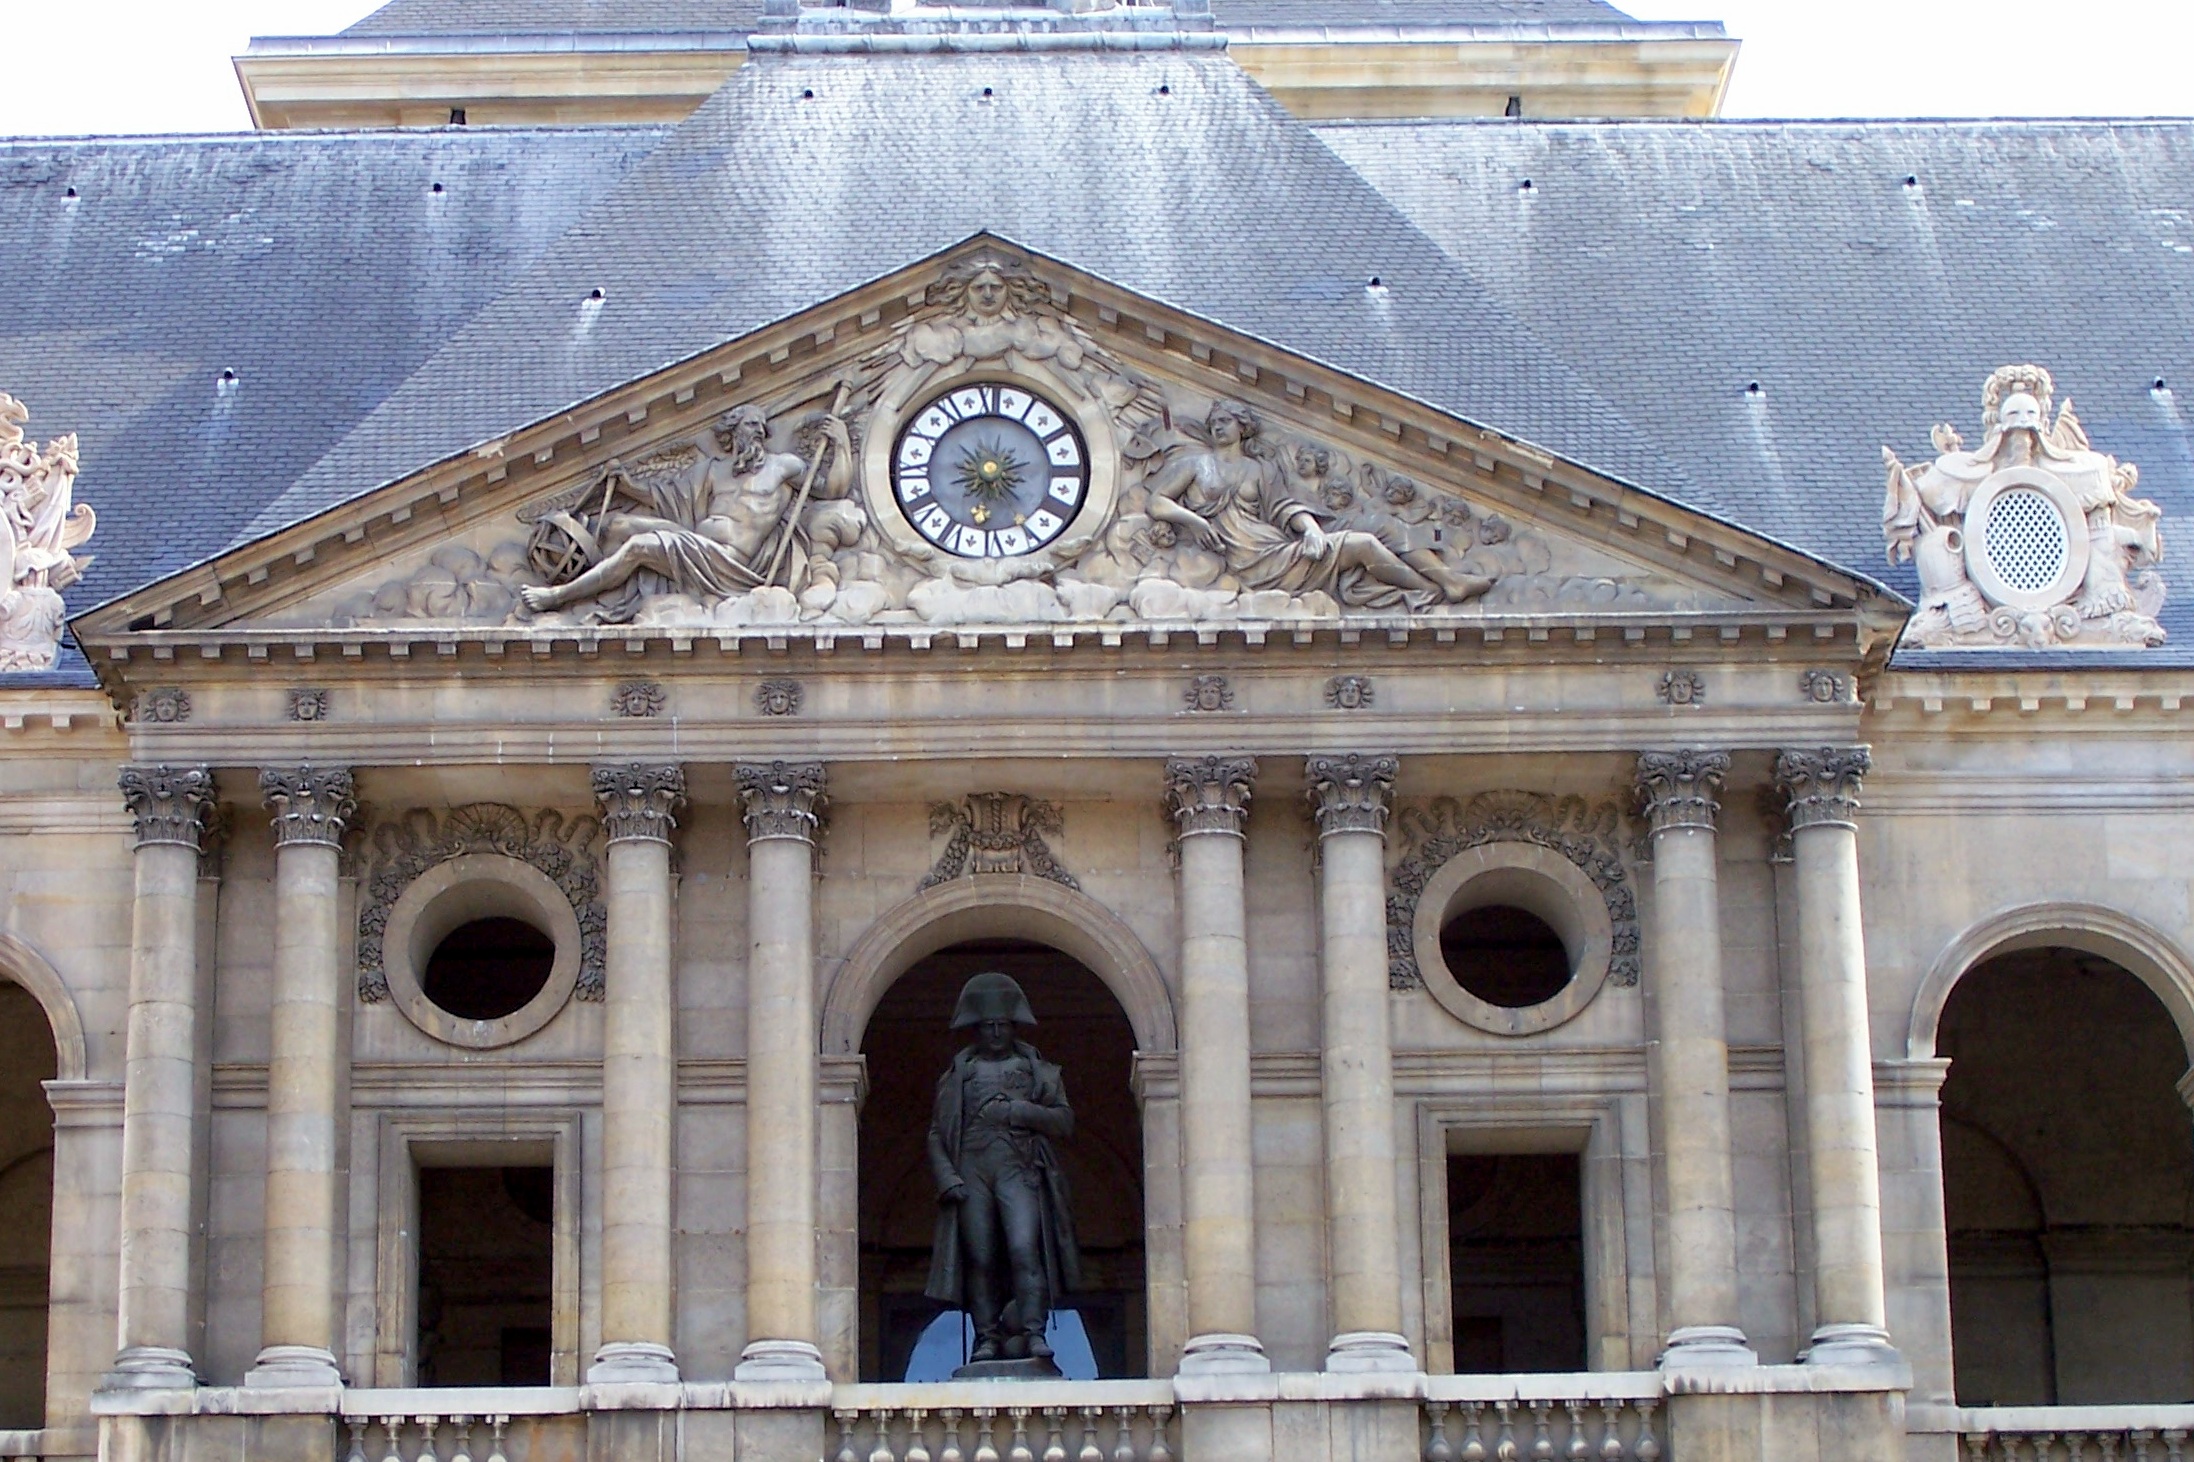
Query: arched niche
[
  {"x": 966, "y": 910},
  {"x": 25, "y": 966},
  {"x": 2143, "y": 951}
]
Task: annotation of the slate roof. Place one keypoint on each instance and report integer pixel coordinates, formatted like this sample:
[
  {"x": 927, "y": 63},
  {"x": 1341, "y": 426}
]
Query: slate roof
[
  {"x": 319, "y": 268},
  {"x": 1868, "y": 276}
]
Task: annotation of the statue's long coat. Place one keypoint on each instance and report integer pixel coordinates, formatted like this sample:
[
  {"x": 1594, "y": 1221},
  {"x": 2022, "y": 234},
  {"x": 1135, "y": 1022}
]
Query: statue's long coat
[{"x": 1062, "y": 1257}]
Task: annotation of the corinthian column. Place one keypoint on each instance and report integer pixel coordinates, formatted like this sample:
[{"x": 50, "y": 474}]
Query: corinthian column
[
  {"x": 1841, "y": 1152},
  {"x": 639, "y": 1075},
  {"x": 1349, "y": 795},
  {"x": 159, "y": 1153},
  {"x": 1209, "y": 801},
  {"x": 305, "y": 1066},
  {"x": 784, "y": 804},
  {"x": 1678, "y": 790}
]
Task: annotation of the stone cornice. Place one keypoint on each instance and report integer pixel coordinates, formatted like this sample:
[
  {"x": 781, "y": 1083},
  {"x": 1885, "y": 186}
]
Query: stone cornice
[
  {"x": 640, "y": 801},
  {"x": 782, "y": 799},
  {"x": 1351, "y": 793},
  {"x": 1822, "y": 785},
  {"x": 1209, "y": 794},
  {"x": 170, "y": 804},
  {"x": 310, "y": 804},
  {"x": 1681, "y": 789}
]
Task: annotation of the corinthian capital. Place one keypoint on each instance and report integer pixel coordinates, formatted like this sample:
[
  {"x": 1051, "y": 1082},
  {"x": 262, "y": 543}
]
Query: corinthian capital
[
  {"x": 170, "y": 804},
  {"x": 640, "y": 803},
  {"x": 1823, "y": 784},
  {"x": 1350, "y": 793},
  {"x": 310, "y": 804},
  {"x": 1209, "y": 794},
  {"x": 1680, "y": 789},
  {"x": 784, "y": 799}
]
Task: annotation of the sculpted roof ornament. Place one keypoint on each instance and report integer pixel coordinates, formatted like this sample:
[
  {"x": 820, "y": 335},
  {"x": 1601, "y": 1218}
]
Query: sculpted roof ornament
[
  {"x": 39, "y": 524},
  {"x": 2033, "y": 539}
]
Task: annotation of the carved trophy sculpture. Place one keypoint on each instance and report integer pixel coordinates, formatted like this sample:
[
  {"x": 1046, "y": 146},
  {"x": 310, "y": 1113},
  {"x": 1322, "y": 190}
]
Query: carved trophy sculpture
[
  {"x": 39, "y": 524},
  {"x": 1005, "y": 1247},
  {"x": 2033, "y": 539}
]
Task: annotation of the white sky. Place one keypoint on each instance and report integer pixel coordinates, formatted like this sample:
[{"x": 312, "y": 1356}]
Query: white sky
[{"x": 82, "y": 66}]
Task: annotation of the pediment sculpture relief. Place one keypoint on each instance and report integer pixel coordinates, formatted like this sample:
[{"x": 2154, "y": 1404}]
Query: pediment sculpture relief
[
  {"x": 992, "y": 463},
  {"x": 39, "y": 524},
  {"x": 2033, "y": 539}
]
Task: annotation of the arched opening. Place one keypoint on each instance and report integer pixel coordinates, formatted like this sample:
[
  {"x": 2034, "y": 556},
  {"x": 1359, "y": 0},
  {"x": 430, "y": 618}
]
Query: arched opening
[
  {"x": 1099, "y": 1330},
  {"x": 2068, "y": 1185},
  {"x": 26, "y": 1205}
]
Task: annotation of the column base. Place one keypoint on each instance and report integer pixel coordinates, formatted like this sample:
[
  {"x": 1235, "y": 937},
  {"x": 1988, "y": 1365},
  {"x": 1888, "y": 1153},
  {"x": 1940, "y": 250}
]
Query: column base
[
  {"x": 629, "y": 1362},
  {"x": 1222, "y": 1354},
  {"x": 292, "y": 1367},
  {"x": 1356, "y": 1352},
  {"x": 151, "y": 1368},
  {"x": 1851, "y": 1345},
  {"x": 1707, "y": 1346},
  {"x": 780, "y": 1360}
]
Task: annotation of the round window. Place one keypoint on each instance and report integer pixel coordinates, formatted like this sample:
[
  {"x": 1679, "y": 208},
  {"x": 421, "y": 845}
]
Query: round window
[
  {"x": 1505, "y": 956},
  {"x": 488, "y": 968}
]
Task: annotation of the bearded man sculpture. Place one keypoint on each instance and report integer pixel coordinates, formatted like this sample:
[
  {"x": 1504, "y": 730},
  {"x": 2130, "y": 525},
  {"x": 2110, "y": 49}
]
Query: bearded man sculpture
[{"x": 1005, "y": 1249}]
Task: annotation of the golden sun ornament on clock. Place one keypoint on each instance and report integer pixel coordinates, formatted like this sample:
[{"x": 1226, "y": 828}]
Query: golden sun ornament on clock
[{"x": 990, "y": 471}]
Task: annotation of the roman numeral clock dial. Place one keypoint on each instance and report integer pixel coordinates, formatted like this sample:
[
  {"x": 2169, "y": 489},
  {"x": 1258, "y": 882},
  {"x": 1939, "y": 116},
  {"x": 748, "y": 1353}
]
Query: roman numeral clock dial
[{"x": 990, "y": 471}]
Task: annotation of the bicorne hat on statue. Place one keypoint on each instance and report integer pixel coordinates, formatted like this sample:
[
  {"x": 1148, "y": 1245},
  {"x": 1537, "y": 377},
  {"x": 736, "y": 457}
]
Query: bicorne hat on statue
[{"x": 992, "y": 996}]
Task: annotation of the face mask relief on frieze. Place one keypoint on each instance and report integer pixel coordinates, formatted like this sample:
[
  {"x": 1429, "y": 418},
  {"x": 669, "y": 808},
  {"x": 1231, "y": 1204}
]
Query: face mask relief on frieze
[{"x": 2033, "y": 540}]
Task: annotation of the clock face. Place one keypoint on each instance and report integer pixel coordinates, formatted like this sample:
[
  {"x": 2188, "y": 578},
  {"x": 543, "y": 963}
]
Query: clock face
[{"x": 989, "y": 471}]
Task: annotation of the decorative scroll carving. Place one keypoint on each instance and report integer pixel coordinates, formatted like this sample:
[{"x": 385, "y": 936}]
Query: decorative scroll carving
[
  {"x": 782, "y": 799},
  {"x": 778, "y": 697},
  {"x": 1680, "y": 789},
  {"x": 164, "y": 705},
  {"x": 1822, "y": 786},
  {"x": 563, "y": 849},
  {"x": 310, "y": 804},
  {"x": 2034, "y": 539},
  {"x": 1350, "y": 693},
  {"x": 1682, "y": 688},
  {"x": 640, "y": 803},
  {"x": 39, "y": 524},
  {"x": 996, "y": 832},
  {"x": 1350, "y": 794},
  {"x": 637, "y": 699},
  {"x": 1208, "y": 693},
  {"x": 1209, "y": 794},
  {"x": 169, "y": 804},
  {"x": 1585, "y": 833}
]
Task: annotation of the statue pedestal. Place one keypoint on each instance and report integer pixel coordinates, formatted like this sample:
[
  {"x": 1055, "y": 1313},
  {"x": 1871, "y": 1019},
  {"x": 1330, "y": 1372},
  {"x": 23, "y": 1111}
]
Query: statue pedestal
[{"x": 1028, "y": 1368}]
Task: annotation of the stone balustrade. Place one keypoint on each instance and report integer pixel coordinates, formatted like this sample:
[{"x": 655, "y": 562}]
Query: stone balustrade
[
  {"x": 2063, "y": 1433},
  {"x": 1606, "y": 1416},
  {"x": 462, "y": 1424},
  {"x": 1088, "y": 1421}
]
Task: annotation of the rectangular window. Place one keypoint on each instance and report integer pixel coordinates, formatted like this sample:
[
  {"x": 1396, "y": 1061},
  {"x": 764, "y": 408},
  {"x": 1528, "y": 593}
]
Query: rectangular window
[
  {"x": 486, "y": 1275},
  {"x": 1516, "y": 1257}
]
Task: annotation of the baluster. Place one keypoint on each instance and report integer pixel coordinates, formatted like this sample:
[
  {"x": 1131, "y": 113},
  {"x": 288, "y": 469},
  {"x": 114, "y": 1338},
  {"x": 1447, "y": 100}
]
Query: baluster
[
  {"x": 357, "y": 1441},
  {"x": 1647, "y": 1450},
  {"x": 985, "y": 1419},
  {"x": 2175, "y": 1445},
  {"x": 1542, "y": 1441},
  {"x": 1090, "y": 1452},
  {"x": 846, "y": 1452},
  {"x": 917, "y": 1443},
  {"x": 1020, "y": 1452},
  {"x": 1159, "y": 1451},
  {"x": 1578, "y": 1450},
  {"x": 394, "y": 1426},
  {"x": 1611, "y": 1431},
  {"x": 1976, "y": 1447},
  {"x": 2142, "y": 1441},
  {"x": 881, "y": 1452},
  {"x": 2044, "y": 1445},
  {"x": 1474, "y": 1447},
  {"x": 1504, "y": 1449},
  {"x": 2108, "y": 1442},
  {"x": 1055, "y": 1422},
  {"x": 464, "y": 1439},
  {"x": 1123, "y": 1447},
  {"x": 951, "y": 1452},
  {"x": 428, "y": 1425},
  {"x": 499, "y": 1423},
  {"x": 1437, "y": 1448},
  {"x": 2075, "y": 1446}
]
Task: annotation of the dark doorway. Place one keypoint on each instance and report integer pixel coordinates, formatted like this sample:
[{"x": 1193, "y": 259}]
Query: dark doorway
[
  {"x": 2068, "y": 1182},
  {"x": 26, "y": 1205},
  {"x": 1517, "y": 1257},
  {"x": 486, "y": 1269},
  {"x": 909, "y": 1043}
]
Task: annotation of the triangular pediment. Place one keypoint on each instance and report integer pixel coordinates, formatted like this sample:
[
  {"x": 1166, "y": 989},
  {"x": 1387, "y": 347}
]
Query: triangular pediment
[{"x": 987, "y": 438}]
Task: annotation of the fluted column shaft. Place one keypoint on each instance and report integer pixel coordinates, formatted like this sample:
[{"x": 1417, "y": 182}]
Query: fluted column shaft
[
  {"x": 1842, "y": 1153},
  {"x": 159, "y": 1153},
  {"x": 783, "y": 804},
  {"x": 305, "y": 1066},
  {"x": 1349, "y": 796},
  {"x": 1208, "y": 799},
  {"x": 639, "y": 1074},
  {"x": 1679, "y": 791}
]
